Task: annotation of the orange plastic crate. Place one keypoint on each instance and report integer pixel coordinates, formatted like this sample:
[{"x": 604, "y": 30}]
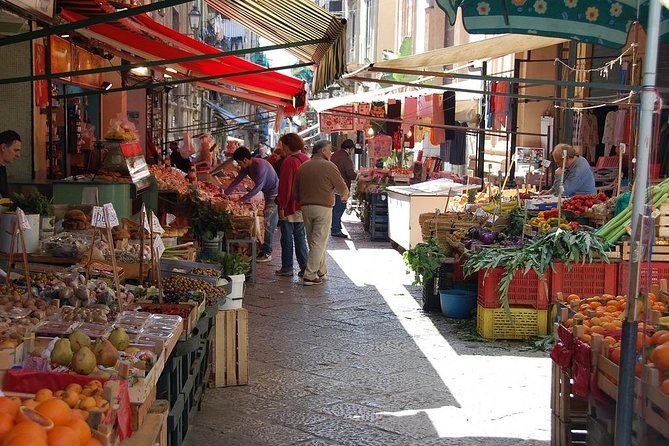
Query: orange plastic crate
[
  {"x": 528, "y": 289},
  {"x": 657, "y": 270},
  {"x": 585, "y": 280}
]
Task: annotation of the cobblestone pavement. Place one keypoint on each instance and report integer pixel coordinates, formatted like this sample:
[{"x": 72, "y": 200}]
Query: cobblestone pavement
[{"x": 356, "y": 362}]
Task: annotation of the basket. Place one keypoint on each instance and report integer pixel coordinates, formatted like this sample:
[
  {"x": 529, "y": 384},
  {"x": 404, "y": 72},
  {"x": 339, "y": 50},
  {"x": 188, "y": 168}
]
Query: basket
[
  {"x": 585, "y": 280},
  {"x": 526, "y": 289},
  {"x": 493, "y": 323},
  {"x": 657, "y": 270}
]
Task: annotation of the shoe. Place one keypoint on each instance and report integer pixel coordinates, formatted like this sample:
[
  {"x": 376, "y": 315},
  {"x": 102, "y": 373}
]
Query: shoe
[
  {"x": 309, "y": 282},
  {"x": 301, "y": 273},
  {"x": 323, "y": 276},
  {"x": 263, "y": 258},
  {"x": 284, "y": 272},
  {"x": 340, "y": 235}
]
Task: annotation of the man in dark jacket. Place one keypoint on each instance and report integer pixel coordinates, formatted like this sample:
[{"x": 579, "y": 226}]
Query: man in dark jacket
[
  {"x": 342, "y": 159},
  {"x": 10, "y": 149}
]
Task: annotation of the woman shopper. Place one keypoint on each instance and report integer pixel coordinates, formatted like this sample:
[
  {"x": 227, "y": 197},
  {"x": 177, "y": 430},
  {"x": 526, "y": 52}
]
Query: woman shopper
[{"x": 291, "y": 222}]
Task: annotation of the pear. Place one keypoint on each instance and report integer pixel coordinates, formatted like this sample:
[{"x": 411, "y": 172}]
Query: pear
[
  {"x": 62, "y": 352},
  {"x": 83, "y": 361},
  {"x": 105, "y": 353},
  {"x": 79, "y": 339},
  {"x": 119, "y": 338}
]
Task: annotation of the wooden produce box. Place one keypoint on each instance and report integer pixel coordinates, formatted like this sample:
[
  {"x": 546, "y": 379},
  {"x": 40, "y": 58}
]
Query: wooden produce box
[
  {"x": 569, "y": 412},
  {"x": 662, "y": 221},
  {"x": 139, "y": 411},
  {"x": 660, "y": 252},
  {"x": 230, "y": 352},
  {"x": 153, "y": 431},
  {"x": 11, "y": 356}
]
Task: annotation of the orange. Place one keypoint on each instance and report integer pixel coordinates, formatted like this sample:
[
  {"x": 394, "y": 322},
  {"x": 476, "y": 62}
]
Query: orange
[
  {"x": 74, "y": 387},
  {"x": 662, "y": 339},
  {"x": 63, "y": 436},
  {"x": 615, "y": 356},
  {"x": 43, "y": 395},
  {"x": 6, "y": 424},
  {"x": 9, "y": 405},
  {"x": 660, "y": 357},
  {"x": 24, "y": 440},
  {"x": 71, "y": 398},
  {"x": 594, "y": 305},
  {"x": 80, "y": 427},
  {"x": 88, "y": 403},
  {"x": 29, "y": 428},
  {"x": 56, "y": 410},
  {"x": 93, "y": 442},
  {"x": 27, "y": 414},
  {"x": 30, "y": 404},
  {"x": 664, "y": 387},
  {"x": 78, "y": 414}
]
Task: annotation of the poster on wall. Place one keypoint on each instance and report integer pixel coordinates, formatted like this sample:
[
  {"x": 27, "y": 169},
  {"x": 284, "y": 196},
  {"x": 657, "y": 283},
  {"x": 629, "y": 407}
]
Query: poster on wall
[
  {"x": 41, "y": 86},
  {"x": 61, "y": 56},
  {"x": 43, "y": 8}
]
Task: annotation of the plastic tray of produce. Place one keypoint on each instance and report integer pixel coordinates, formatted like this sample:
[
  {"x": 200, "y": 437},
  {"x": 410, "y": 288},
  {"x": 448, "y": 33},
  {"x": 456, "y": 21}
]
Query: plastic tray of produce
[
  {"x": 94, "y": 331},
  {"x": 165, "y": 319},
  {"x": 15, "y": 312},
  {"x": 81, "y": 314},
  {"x": 207, "y": 272},
  {"x": 131, "y": 327},
  {"x": 132, "y": 316},
  {"x": 53, "y": 328}
]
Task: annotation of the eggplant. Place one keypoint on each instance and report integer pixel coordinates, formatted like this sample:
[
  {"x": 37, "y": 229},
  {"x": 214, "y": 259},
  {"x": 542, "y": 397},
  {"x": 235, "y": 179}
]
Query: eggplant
[{"x": 487, "y": 238}]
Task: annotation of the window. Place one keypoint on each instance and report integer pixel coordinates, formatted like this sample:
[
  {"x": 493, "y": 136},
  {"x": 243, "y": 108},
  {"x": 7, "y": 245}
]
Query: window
[{"x": 335, "y": 6}]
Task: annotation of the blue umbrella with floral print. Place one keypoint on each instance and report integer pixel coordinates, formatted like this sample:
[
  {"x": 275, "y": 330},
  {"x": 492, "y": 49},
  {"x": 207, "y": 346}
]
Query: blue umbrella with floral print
[{"x": 604, "y": 22}]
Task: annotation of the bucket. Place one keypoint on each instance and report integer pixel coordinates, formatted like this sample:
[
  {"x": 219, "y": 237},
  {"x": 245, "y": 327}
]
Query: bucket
[
  {"x": 457, "y": 303},
  {"x": 213, "y": 245},
  {"x": 234, "y": 299},
  {"x": 31, "y": 235}
]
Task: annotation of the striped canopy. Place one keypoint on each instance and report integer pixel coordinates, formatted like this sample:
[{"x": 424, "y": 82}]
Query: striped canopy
[{"x": 603, "y": 22}]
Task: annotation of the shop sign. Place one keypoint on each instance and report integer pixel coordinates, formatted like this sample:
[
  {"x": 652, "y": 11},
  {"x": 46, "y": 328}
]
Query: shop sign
[
  {"x": 61, "y": 56},
  {"x": 41, "y": 86},
  {"x": 42, "y": 8},
  {"x": 98, "y": 219}
]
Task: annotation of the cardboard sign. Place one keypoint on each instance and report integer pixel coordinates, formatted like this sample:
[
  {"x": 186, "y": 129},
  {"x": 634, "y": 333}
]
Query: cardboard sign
[
  {"x": 159, "y": 246},
  {"x": 154, "y": 222},
  {"x": 21, "y": 218},
  {"x": 98, "y": 218}
]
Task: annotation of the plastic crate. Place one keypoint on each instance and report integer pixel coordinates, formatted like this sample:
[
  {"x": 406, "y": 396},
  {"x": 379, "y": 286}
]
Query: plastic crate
[
  {"x": 588, "y": 280},
  {"x": 526, "y": 289},
  {"x": 658, "y": 270},
  {"x": 494, "y": 323},
  {"x": 378, "y": 199}
]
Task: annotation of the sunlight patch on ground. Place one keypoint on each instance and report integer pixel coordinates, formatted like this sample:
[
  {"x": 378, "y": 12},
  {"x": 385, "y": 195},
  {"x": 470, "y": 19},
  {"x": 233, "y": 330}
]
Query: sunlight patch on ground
[{"x": 499, "y": 396}]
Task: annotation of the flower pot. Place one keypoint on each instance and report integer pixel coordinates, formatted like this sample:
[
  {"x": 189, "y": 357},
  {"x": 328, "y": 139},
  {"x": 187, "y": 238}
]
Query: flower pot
[
  {"x": 457, "y": 303},
  {"x": 31, "y": 235},
  {"x": 212, "y": 245}
]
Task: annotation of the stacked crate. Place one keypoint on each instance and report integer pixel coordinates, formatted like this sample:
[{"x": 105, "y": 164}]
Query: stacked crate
[{"x": 378, "y": 216}]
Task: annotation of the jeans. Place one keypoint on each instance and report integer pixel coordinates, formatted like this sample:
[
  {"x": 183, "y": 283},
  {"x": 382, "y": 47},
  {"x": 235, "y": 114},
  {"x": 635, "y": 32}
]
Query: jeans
[
  {"x": 317, "y": 222},
  {"x": 271, "y": 220},
  {"x": 337, "y": 212},
  {"x": 293, "y": 232}
]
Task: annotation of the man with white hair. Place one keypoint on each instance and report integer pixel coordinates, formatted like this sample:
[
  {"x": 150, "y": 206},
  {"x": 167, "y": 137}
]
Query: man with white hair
[{"x": 578, "y": 177}]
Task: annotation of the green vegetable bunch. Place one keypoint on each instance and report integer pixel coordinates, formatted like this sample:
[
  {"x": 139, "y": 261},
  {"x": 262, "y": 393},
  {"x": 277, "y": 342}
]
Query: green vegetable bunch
[
  {"x": 424, "y": 259},
  {"x": 206, "y": 220},
  {"x": 232, "y": 263},
  {"x": 32, "y": 203},
  {"x": 515, "y": 222},
  {"x": 539, "y": 255}
]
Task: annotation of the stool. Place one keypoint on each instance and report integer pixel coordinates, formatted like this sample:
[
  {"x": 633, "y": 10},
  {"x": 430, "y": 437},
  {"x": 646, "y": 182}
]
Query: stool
[{"x": 252, "y": 242}]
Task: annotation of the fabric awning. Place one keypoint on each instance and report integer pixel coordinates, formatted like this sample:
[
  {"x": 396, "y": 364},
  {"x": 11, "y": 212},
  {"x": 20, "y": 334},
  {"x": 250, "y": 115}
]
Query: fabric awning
[
  {"x": 286, "y": 21},
  {"x": 228, "y": 114},
  {"x": 149, "y": 40},
  {"x": 483, "y": 49}
]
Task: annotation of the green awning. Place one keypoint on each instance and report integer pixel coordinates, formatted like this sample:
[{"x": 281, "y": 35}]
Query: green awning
[{"x": 285, "y": 21}]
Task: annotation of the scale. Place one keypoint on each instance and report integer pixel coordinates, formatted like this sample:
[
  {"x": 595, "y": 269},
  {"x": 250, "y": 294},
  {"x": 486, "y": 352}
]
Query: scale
[{"x": 125, "y": 160}]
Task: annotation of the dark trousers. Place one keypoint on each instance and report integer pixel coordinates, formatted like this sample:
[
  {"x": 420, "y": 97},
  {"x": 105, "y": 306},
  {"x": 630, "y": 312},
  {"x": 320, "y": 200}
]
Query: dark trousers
[
  {"x": 337, "y": 212},
  {"x": 292, "y": 234}
]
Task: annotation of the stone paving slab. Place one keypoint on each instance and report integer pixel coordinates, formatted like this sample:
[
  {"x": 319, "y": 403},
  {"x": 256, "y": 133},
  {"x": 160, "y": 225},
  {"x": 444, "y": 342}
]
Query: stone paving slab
[{"x": 355, "y": 361}]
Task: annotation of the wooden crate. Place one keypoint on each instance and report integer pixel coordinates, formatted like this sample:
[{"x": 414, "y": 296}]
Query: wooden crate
[
  {"x": 662, "y": 221},
  {"x": 564, "y": 404},
  {"x": 230, "y": 352},
  {"x": 139, "y": 411},
  {"x": 660, "y": 252},
  {"x": 154, "y": 429}
]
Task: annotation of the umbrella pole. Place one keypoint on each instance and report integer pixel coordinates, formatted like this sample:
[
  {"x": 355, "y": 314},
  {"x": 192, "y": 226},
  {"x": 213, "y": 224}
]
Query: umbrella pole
[{"x": 625, "y": 406}]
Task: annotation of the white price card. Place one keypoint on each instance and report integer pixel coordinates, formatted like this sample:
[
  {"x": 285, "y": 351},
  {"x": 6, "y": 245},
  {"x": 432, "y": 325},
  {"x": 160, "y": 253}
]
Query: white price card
[
  {"x": 98, "y": 218},
  {"x": 21, "y": 217},
  {"x": 170, "y": 218},
  {"x": 156, "y": 224},
  {"x": 159, "y": 246}
]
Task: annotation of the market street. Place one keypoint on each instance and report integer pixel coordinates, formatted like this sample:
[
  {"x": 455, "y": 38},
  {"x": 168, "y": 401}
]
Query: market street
[{"x": 356, "y": 362}]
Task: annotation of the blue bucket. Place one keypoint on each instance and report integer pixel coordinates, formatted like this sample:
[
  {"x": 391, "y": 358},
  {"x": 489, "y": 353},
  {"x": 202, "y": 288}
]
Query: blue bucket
[{"x": 457, "y": 303}]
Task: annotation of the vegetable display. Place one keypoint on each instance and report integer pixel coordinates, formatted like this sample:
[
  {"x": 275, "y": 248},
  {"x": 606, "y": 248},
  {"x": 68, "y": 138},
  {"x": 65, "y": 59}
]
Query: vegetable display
[
  {"x": 424, "y": 259},
  {"x": 578, "y": 204}
]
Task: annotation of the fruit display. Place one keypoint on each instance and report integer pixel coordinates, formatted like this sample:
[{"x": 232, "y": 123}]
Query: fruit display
[
  {"x": 75, "y": 219},
  {"x": 578, "y": 204},
  {"x": 170, "y": 179},
  {"x": 546, "y": 220},
  {"x": 205, "y": 272},
  {"x": 74, "y": 290},
  {"x": 72, "y": 314},
  {"x": 182, "y": 311},
  {"x": 182, "y": 284}
]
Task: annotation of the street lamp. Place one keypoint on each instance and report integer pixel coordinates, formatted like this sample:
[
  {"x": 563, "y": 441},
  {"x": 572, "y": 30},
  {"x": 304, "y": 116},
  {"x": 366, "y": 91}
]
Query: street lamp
[{"x": 194, "y": 17}]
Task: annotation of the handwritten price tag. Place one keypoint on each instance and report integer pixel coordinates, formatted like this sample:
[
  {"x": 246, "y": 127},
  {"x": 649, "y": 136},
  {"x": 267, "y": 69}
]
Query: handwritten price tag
[
  {"x": 154, "y": 222},
  {"x": 21, "y": 218},
  {"x": 159, "y": 246},
  {"x": 98, "y": 218}
]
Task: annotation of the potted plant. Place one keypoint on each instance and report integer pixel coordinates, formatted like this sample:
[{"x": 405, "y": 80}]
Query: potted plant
[
  {"x": 208, "y": 223},
  {"x": 235, "y": 266},
  {"x": 36, "y": 206}
]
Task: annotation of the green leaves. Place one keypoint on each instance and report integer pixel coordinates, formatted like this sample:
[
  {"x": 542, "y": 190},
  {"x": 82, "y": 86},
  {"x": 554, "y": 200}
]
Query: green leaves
[{"x": 424, "y": 259}]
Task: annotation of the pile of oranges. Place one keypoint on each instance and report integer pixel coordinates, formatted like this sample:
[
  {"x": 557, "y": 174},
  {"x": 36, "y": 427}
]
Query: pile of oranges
[{"x": 47, "y": 420}]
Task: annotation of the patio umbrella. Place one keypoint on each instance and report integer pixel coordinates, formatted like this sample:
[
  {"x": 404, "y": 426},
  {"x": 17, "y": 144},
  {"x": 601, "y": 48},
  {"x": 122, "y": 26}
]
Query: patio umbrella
[{"x": 603, "y": 22}]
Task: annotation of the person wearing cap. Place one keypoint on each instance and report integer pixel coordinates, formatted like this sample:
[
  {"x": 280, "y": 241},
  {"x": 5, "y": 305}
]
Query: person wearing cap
[{"x": 342, "y": 159}]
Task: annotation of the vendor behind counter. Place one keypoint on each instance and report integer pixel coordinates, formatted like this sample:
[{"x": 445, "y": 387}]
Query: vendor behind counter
[{"x": 578, "y": 177}]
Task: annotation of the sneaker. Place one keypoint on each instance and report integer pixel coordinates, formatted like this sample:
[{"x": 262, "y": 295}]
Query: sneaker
[
  {"x": 322, "y": 276},
  {"x": 284, "y": 272},
  {"x": 309, "y": 282},
  {"x": 263, "y": 258},
  {"x": 340, "y": 235},
  {"x": 301, "y": 273}
]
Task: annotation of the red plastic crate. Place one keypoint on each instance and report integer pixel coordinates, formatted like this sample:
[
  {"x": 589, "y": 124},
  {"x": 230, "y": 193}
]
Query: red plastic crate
[
  {"x": 658, "y": 270},
  {"x": 587, "y": 280},
  {"x": 526, "y": 289}
]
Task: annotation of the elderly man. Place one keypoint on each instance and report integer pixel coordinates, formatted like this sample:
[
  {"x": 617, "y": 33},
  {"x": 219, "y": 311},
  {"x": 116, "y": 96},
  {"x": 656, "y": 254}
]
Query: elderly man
[
  {"x": 10, "y": 150},
  {"x": 316, "y": 183},
  {"x": 578, "y": 177},
  {"x": 342, "y": 159}
]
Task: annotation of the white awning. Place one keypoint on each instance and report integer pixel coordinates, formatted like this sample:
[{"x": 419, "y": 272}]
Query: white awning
[{"x": 480, "y": 50}]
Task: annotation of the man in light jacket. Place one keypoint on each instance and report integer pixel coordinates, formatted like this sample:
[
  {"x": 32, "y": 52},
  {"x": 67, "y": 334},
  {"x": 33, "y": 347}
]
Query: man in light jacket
[{"x": 315, "y": 186}]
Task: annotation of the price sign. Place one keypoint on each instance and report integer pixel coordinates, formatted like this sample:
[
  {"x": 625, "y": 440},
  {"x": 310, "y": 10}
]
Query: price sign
[
  {"x": 154, "y": 222},
  {"x": 98, "y": 218},
  {"x": 21, "y": 218},
  {"x": 159, "y": 246},
  {"x": 170, "y": 218}
]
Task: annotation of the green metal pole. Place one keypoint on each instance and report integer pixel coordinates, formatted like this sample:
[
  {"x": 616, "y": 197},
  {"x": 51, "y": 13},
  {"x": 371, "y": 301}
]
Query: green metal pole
[
  {"x": 163, "y": 62},
  {"x": 184, "y": 81},
  {"x": 96, "y": 20}
]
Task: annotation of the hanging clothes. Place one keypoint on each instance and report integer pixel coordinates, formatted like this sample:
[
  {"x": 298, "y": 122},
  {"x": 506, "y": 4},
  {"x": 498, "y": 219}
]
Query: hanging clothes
[
  {"x": 394, "y": 111},
  {"x": 588, "y": 136},
  {"x": 500, "y": 105},
  {"x": 437, "y": 135},
  {"x": 421, "y": 131},
  {"x": 458, "y": 149},
  {"x": 619, "y": 133},
  {"x": 363, "y": 124},
  {"x": 410, "y": 113},
  {"x": 380, "y": 146},
  {"x": 576, "y": 129},
  {"x": 425, "y": 106},
  {"x": 378, "y": 110},
  {"x": 449, "y": 113},
  {"x": 609, "y": 132}
]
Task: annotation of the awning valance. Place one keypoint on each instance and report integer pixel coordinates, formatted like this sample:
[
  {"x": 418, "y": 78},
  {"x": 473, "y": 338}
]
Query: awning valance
[
  {"x": 149, "y": 40},
  {"x": 285, "y": 21}
]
